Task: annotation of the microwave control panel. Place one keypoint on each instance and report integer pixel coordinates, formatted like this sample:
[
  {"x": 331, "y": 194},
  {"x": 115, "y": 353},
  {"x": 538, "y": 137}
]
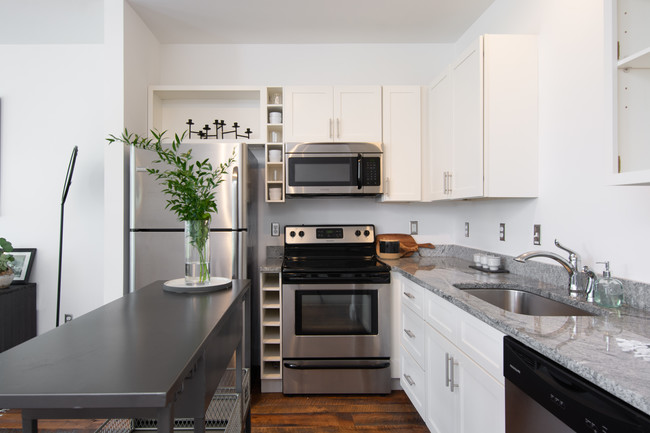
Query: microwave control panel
[{"x": 371, "y": 171}]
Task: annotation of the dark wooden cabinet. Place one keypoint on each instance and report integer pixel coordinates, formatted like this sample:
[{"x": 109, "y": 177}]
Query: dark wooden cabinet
[{"x": 17, "y": 314}]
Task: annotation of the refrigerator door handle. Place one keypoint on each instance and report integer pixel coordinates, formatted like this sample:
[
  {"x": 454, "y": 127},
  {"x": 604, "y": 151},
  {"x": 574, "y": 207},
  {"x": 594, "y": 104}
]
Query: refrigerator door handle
[
  {"x": 235, "y": 222},
  {"x": 235, "y": 198}
]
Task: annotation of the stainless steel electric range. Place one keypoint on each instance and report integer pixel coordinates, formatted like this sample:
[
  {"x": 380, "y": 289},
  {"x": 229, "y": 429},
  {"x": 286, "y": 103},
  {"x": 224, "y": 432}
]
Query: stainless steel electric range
[{"x": 335, "y": 312}]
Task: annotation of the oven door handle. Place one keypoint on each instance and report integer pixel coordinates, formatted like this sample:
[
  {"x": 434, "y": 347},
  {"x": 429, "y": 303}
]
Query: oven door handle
[{"x": 370, "y": 365}]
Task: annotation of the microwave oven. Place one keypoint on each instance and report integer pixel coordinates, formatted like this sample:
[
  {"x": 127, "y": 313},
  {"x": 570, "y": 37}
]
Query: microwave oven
[{"x": 333, "y": 169}]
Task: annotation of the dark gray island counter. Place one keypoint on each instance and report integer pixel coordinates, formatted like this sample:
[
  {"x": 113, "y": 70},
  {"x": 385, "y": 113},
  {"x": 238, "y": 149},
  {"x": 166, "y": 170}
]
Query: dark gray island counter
[{"x": 148, "y": 354}]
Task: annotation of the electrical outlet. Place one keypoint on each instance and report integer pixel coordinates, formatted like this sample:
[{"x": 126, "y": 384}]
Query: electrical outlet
[
  {"x": 502, "y": 232},
  {"x": 537, "y": 234},
  {"x": 414, "y": 227},
  {"x": 67, "y": 318},
  {"x": 466, "y": 229},
  {"x": 275, "y": 229}
]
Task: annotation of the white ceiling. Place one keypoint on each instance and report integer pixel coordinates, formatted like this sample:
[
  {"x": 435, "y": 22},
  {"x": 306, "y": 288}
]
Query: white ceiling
[{"x": 308, "y": 21}]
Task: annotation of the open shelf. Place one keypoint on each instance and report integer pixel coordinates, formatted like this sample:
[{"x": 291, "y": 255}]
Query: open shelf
[
  {"x": 274, "y": 148},
  {"x": 170, "y": 107},
  {"x": 271, "y": 327},
  {"x": 631, "y": 154}
]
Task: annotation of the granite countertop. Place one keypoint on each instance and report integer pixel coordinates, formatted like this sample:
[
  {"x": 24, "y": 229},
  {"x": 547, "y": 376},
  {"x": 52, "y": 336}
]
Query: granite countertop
[
  {"x": 610, "y": 349},
  {"x": 272, "y": 264}
]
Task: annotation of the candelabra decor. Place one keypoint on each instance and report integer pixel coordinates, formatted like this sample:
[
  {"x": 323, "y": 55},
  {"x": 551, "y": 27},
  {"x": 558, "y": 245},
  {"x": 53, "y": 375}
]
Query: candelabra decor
[{"x": 219, "y": 125}]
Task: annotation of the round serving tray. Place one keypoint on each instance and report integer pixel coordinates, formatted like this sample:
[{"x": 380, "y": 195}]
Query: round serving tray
[{"x": 179, "y": 286}]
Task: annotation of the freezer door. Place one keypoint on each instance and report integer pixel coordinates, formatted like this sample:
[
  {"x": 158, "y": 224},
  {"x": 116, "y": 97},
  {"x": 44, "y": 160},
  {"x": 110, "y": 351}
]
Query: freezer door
[
  {"x": 148, "y": 201},
  {"x": 160, "y": 256}
]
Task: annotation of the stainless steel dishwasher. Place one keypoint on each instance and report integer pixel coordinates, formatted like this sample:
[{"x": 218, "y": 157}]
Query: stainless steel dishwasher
[{"x": 543, "y": 397}]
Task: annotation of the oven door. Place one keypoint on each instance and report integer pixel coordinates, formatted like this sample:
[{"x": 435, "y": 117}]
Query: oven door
[
  {"x": 323, "y": 174},
  {"x": 335, "y": 321}
]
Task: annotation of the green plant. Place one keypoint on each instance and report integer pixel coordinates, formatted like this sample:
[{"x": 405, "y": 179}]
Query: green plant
[
  {"x": 5, "y": 259},
  {"x": 190, "y": 185}
]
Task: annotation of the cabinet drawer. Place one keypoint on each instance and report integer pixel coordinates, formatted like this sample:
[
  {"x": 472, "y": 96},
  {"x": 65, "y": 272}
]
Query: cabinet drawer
[
  {"x": 412, "y": 295},
  {"x": 413, "y": 381},
  {"x": 412, "y": 335}
]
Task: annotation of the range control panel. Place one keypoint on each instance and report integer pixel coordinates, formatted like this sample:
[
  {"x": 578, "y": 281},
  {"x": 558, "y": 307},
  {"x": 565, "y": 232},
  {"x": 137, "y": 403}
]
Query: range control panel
[{"x": 344, "y": 234}]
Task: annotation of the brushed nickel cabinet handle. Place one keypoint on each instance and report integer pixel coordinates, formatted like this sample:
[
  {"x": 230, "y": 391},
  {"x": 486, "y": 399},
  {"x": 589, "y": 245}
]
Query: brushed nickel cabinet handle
[
  {"x": 452, "y": 363},
  {"x": 409, "y": 380},
  {"x": 409, "y": 333}
]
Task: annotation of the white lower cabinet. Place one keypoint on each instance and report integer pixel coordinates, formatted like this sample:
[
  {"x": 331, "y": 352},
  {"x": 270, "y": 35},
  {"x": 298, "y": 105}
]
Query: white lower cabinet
[
  {"x": 461, "y": 396},
  {"x": 450, "y": 363},
  {"x": 441, "y": 402}
]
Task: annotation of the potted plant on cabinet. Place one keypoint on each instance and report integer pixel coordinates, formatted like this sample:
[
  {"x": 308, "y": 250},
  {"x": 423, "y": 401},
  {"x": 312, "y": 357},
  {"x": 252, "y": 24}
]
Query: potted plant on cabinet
[
  {"x": 6, "y": 271},
  {"x": 191, "y": 188}
]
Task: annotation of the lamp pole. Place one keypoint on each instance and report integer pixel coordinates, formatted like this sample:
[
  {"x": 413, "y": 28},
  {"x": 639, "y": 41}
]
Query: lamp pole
[{"x": 66, "y": 188}]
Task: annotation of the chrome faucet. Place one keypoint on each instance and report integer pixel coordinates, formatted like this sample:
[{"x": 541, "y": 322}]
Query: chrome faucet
[{"x": 572, "y": 266}]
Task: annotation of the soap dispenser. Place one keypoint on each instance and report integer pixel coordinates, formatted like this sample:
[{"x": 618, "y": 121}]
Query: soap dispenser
[{"x": 609, "y": 291}]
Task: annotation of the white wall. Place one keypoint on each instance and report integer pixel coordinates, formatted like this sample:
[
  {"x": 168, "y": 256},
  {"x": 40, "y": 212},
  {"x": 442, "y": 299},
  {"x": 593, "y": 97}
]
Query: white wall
[
  {"x": 48, "y": 22},
  {"x": 289, "y": 64},
  {"x": 51, "y": 98},
  {"x": 575, "y": 205}
]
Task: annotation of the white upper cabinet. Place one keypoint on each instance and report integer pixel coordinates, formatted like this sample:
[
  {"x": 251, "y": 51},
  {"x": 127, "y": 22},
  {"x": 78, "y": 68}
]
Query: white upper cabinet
[
  {"x": 631, "y": 65},
  {"x": 308, "y": 113},
  {"x": 325, "y": 113},
  {"x": 436, "y": 154},
  {"x": 402, "y": 133},
  {"x": 467, "y": 123},
  {"x": 483, "y": 122}
]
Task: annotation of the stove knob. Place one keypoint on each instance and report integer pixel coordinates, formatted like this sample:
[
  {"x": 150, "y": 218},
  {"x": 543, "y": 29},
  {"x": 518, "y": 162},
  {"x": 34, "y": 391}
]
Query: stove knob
[
  {"x": 366, "y": 233},
  {"x": 358, "y": 233},
  {"x": 301, "y": 233},
  {"x": 292, "y": 234}
]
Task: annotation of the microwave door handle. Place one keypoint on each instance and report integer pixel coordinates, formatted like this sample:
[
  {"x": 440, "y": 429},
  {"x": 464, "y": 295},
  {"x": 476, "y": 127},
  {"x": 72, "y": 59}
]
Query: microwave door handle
[{"x": 359, "y": 172}]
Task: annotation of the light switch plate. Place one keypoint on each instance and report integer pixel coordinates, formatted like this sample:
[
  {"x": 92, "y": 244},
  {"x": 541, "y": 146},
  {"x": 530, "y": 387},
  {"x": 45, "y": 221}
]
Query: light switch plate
[
  {"x": 275, "y": 229},
  {"x": 414, "y": 227},
  {"x": 537, "y": 234},
  {"x": 466, "y": 229}
]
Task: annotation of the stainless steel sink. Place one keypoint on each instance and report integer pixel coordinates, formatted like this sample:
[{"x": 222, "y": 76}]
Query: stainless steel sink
[{"x": 520, "y": 302}]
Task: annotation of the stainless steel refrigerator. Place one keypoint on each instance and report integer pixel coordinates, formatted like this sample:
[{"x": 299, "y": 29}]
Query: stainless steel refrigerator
[{"x": 156, "y": 235}]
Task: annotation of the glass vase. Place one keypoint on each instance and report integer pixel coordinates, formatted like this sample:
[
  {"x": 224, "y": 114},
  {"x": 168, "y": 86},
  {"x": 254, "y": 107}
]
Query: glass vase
[{"x": 197, "y": 252}]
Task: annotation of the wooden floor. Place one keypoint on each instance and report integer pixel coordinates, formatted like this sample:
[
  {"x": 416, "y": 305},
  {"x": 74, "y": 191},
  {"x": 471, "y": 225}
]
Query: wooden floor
[
  {"x": 11, "y": 421},
  {"x": 276, "y": 413}
]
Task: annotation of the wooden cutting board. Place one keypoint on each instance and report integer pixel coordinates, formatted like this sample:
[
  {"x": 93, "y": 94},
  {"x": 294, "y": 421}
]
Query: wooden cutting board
[{"x": 407, "y": 245}]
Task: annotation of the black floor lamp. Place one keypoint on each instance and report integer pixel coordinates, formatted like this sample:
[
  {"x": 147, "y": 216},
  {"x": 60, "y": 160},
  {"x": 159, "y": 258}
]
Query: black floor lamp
[{"x": 66, "y": 188}]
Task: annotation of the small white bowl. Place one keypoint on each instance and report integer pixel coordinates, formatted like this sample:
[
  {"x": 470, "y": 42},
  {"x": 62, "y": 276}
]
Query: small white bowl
[
  {"x": 494, "y": 262},
  {"x": 275, "y": 155},
  {"x": 275, "y": 194}
]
